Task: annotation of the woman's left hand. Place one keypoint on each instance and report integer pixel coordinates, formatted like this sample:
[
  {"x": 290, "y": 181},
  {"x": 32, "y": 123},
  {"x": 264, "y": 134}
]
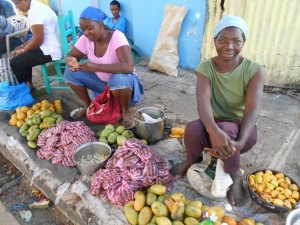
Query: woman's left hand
[
  {"x": 18, "y": 51},
  {"x": 88, "y": 67}
]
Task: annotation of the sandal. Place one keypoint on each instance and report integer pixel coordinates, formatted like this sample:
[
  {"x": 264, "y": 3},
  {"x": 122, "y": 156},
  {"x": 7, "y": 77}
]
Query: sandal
[{"x": 77, "y": 113}]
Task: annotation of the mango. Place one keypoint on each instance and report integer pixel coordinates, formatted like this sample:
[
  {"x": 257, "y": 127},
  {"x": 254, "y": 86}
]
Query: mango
[
  {"x": 158, "y": 189},
  {"x": 145, "y": 216},
  {"x": 144, "y": 141},
  {"x": 120, "y": 140},
  {"x": 153, "y": 220},
  {"x": 33, "y": 135},
  {"x": 120, "y": 129},
  {"x": 24, "y": 133},
  {"x": 161, "y": 198},
  {"x": 131, "y": 215},
  {"x": 106, "y": 132},
  {"x": 195, "y": 203},
  {"x": 98, "y": 133},
  {"x": 150, "y": 198},
  {"x": 191, "y": 221},
  {"x": 112, "y": 138},
  {"x": 49, "y": 120},
  {"x": 247, "y": 221},
  {"x": 32, "y": 144},
  {"x": 24, "y": 127},
  {"x": 178, "y": 210},
  {"x": 128, "y": 134},
  {"x": 177, "y": 222},
  {"x": 161, "y": 220},
  {"x": 45, "y": 113},
  {"x": 139, "y": 201},
  {"x": 159, "y": 209},
  {"x": 295, "y": 195},
  {"x": 192, "y": 211},
  {"x": 169, "y": 202},
  {"x": 177, "y": 196},
  {"x": 110, "y": 126},
  {"x": 103, "y": 140}
]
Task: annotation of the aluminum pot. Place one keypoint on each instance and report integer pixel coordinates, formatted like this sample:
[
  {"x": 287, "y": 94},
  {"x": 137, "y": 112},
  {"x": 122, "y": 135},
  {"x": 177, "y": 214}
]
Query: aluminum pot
[
  {"x": 89, "y": 149},
  {"x": 293, "y": 217},
  {"x": 152, "y": 132}
]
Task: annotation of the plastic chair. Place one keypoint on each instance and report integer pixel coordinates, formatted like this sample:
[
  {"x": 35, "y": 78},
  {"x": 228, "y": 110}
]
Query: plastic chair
[
  {"x": 67, "y": 29},
  {"x": 21, "y": 26}
]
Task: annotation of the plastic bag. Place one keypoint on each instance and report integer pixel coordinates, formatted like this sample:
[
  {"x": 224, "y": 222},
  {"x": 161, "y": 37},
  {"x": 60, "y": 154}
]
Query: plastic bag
[
  {"x": 165, "y": 54},
  {"x": 12, "y": 97},
  {"x": 201, "y": 175}
]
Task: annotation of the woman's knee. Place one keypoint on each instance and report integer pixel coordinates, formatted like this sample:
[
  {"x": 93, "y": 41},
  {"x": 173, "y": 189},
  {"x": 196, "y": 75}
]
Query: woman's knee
[{"x": 120, "y": 81}]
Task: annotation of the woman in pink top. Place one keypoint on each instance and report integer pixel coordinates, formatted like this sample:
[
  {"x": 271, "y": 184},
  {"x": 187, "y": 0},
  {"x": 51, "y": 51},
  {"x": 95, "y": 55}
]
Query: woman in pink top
[{"x": 109, "y": 63}]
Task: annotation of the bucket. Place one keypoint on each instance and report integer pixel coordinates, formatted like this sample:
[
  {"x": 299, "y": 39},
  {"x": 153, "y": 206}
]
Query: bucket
[{"x": 152, "y": 132}]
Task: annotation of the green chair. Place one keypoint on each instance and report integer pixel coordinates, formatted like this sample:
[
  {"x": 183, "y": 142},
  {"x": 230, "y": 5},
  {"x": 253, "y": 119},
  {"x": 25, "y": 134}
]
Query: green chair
[{"x": 68, "y": 38}]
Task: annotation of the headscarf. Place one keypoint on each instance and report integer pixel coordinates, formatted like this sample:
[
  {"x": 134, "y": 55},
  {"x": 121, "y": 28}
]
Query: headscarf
[
  {"x": 231, "y": 21},
  {"x": 93, "y": 13}
]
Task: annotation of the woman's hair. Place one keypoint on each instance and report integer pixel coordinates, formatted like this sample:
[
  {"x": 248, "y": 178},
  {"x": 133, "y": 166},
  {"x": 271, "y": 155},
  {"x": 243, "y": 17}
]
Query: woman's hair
[{"x": 115, "y": 2}]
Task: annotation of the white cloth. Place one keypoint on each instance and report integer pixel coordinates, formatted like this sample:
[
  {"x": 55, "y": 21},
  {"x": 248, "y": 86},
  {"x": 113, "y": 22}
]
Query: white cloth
[
  {"x": 39, "y": 13},
  {"x": 221, "y": 182},
  {"x": 231, "y": 21}
]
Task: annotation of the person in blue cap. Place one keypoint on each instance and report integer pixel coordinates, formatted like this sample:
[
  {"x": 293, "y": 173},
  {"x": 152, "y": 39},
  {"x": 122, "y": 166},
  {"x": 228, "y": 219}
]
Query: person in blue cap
[
  {"x": 109, "y": 63},
  {"x": 229, "y": 92}
]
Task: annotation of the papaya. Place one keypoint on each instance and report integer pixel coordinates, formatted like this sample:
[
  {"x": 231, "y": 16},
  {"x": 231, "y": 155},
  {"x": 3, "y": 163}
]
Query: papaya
[{"x": 178, "y": 131}]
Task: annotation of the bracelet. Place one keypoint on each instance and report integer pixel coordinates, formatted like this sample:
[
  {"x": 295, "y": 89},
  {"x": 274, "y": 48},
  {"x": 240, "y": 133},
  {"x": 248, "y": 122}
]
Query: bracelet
[{"x": 24, "y": 50}]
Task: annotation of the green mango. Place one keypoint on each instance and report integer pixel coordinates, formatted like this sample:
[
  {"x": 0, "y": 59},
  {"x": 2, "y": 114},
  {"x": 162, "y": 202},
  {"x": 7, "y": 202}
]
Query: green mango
[
  {"x": 128, "y": 134},
  {"x": 106, "y": 132},
  {"x": 24, "y": 127},
  {"x": 103, "y": 140},
  {"x": 112, "y": 138},
  {"x": 32, "y": 144},
  {"x": 110, "y": 126},
  {"x": 45, "y": 113},
  {"x": 120, "y": 129},
  {"x": 120, "y": 140},
  {"x": 98, "y": 133}
]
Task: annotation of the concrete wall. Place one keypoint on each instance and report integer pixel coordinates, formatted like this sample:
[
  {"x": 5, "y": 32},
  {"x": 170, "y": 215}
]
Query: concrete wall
[{"x": 144, "y": 21}]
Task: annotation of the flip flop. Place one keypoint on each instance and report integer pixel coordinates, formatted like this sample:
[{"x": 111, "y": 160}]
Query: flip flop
[{"x": 73, "y": 113}]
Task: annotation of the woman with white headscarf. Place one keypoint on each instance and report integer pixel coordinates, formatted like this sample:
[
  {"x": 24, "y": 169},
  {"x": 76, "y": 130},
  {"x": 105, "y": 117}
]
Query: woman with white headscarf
[{"x": 229, "y": 92}]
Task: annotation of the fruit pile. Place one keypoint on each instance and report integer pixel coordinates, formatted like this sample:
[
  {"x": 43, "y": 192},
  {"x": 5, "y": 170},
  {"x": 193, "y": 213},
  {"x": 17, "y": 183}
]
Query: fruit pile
[
  {"x": 157, "y": 207},
  {"x": 115, "y": 135},
  {"x": 35, "y": 120},
  {"x": 274, "y": 188}
]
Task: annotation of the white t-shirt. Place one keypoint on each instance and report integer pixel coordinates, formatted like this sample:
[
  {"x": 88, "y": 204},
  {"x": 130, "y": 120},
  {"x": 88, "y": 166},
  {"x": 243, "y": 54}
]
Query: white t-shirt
[{"x": 39, "y": 13}]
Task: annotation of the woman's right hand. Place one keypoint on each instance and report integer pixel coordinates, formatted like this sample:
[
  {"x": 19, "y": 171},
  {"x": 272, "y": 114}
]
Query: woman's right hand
[
  {"x": 222, "y": 144},
  {"x": 72, "y": 63}
]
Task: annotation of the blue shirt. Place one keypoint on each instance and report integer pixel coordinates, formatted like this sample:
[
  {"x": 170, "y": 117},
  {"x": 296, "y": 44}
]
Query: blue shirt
[
  {"x": 6, "y": 9},
  {"x": 5, "y": 27},
  {"x": 120, "y": 24}
]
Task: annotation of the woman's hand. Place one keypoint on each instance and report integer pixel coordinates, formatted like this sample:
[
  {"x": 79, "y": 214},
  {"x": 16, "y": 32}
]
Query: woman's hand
[
  {"x": 88, "y": 67},
  {"x": 222, "y": 144},
  {"x": 18, "y": 51},
  {"x": 72, "y": 63}
]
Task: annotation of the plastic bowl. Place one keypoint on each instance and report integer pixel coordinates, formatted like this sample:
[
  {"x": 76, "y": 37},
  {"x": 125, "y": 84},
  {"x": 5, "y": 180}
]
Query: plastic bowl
[
  {"x": 263, "y": 203},
  {"x": 89, "y": 149},
  {"x": 293, "y": 217}
]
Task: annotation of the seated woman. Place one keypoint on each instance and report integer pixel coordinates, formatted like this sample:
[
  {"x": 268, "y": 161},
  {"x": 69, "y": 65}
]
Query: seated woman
[
  {"x": 109, "y": 63},
  {"x": 43, "y": 47},
  {"x": 229, "y": 92},
  {"x": 117, "y": 21}
]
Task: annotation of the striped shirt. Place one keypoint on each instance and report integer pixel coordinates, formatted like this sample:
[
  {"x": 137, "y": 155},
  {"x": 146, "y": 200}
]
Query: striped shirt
[{"x": 5, "y": 27}]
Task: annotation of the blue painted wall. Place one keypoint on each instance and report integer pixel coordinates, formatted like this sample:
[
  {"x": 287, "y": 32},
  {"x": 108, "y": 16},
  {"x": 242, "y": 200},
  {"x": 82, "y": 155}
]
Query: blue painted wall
[{"x": 144, "y": 21}]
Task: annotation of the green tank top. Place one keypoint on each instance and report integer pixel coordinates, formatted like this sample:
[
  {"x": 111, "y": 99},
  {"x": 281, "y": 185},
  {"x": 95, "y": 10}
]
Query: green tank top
[{"x": 228, "y": 90}]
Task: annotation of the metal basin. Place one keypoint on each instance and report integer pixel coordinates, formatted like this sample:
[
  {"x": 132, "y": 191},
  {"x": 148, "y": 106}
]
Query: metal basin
[
  {"x": 90, "y": 149},
  {"x": 293, "y": 217}
]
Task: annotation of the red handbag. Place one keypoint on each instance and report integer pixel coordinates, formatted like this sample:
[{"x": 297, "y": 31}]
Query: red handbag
[{"x": 104, "y": 109}]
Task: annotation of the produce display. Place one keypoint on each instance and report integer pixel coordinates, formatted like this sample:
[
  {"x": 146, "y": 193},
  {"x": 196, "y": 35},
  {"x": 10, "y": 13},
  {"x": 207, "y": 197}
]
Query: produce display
[
  {"x": 115, "y": 135},
  {"x": 275, "y": 188},
  {"x": 35, "y": 120},
  {"x": 157, "y": 207}
]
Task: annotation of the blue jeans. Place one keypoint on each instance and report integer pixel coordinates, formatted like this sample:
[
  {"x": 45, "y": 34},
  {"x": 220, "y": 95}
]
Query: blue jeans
[{"x": 115, "y": 82}]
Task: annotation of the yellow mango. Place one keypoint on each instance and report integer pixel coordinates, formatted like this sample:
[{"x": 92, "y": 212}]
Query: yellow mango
[
  {"x": 159, "y": 209},
  {"x": 139, "y": 200},
  {"x": 158, "y": 189},
  {"x": 145, "y": 216},
  {"x": 191, "y": 221},
  {"x": 162, "y": 220}
]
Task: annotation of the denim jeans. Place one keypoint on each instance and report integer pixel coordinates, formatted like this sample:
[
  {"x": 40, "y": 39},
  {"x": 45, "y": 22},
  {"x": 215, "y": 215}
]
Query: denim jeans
[{"x": 92, "y": 82}]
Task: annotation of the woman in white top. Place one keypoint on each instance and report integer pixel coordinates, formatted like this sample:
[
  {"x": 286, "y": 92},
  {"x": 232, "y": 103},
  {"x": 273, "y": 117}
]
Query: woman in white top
[{"x": 43, "y": 47}]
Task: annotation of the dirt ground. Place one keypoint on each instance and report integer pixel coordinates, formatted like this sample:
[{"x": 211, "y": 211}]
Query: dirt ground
[{"x": 16, "y": 192}]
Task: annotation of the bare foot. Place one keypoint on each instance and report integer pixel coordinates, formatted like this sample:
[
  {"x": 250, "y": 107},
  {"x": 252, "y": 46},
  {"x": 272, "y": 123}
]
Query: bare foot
[
  {"x": 78, "y": 113},
  {"x": 236, "y": 195},
  {"x": 127, "y": 120},
  {"x": 180, "y": 169}
]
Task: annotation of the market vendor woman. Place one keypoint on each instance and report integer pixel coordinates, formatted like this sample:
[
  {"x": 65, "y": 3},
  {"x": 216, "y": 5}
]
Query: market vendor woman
[
  {"x": 109, "y": 63},
  {"x": 229, "y": 92}
]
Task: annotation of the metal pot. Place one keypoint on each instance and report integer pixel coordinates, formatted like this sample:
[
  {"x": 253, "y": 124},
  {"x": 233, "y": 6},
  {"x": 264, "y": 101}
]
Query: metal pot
[
  {"x": 88, "y": 149},
  {"x": 293, "y": 217},
  {"x": 152, "y": 132}
]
